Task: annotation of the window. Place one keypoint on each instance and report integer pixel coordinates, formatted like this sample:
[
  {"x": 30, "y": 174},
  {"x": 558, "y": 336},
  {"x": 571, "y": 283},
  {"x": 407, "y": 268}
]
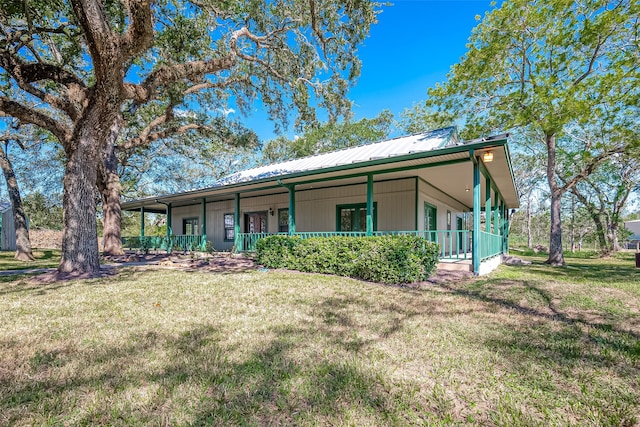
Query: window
[
  {"x": 354, "y": 217},
  {"x": 283, "y": 220},
  {"x": 229, "y": 227},
  {"x": 430, "y": 215},
  {"x": 190, "y": 226}
]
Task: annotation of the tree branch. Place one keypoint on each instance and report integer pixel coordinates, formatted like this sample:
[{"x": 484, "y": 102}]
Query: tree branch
[
  {"x": 165, "y": 133},
  {"x": 38, "y": 71},
  {"x": 592, "y": 62},
  {"x": 139, "y": 35},
  {"x": 29, "y": 115},
  {"x": 165, "y": 75},
  {"x": 101, "y": 41},
  {"x": 143, "y": 138},
  {"x": 590, "y": 167},
  {"x": 26, "y": 74},
  {"x": 170, "y": 74}
]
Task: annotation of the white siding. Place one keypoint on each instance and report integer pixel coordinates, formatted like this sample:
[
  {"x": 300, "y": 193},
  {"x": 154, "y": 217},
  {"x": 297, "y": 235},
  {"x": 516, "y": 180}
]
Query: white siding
[
  {"x": 315, "y": 209},
  {"x": 443, "y": 203},
  {"x": 178, "y": 214},
  {"x": 215, "y": 223}
]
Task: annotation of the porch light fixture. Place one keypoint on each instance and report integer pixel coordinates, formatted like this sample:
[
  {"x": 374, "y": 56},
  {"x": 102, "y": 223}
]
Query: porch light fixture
[
  {"x": 466, "y": 188},
  {"x": 271, "y": 211},
  {"x": 487, "y": 156}
]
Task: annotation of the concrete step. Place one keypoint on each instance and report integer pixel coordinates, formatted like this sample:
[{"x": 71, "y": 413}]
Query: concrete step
[{"x": 455, "y": 265}]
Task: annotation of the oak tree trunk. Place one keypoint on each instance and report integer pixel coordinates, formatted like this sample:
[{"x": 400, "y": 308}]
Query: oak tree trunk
[
  {"x": 556, "y": 256},
  {"x": 109, "y": 187},
  {"x": 80, "y": 238},
  {"x": 23, "y": 244}
]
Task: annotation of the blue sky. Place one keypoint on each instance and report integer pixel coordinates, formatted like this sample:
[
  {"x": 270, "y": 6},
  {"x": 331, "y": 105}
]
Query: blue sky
[{"x": 410, "y": 49}]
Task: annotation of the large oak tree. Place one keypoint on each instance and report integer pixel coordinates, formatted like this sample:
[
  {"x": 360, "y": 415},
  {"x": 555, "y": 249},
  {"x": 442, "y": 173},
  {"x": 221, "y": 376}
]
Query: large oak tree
[{"x": 79, "y": 65}]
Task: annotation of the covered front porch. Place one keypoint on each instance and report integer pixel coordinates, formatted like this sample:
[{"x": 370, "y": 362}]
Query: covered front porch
[{"x": 455, "y": 194}]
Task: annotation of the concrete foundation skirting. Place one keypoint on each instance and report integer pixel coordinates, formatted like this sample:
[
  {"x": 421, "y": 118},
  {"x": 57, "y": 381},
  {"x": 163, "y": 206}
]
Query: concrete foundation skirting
[{"x": 488, "y": 265}]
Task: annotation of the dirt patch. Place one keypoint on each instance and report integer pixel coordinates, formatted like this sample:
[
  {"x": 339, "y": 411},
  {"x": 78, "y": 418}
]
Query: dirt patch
[
  {"x": 442, "y": 276},
  {"x": 46, "y": 239},
  {"x": 216, "y": 263},
  {"x": 213, "y": 263}
]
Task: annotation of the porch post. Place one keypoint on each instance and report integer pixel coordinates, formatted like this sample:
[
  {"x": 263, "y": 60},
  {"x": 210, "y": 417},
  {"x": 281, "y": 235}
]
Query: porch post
[
  {"x": 167, "y": 242},
  {"x": 475, "y": 245},
  {"x": 370, "y": 205},
  {"x": 203, "y": 227},
  {"x": 506, "y": 232},
  {"x": 169, "y": 219},
  {"x": 487, "y": 204},
  {"x": 236, "y": 223},
  {"x": 503, "y": 221},
  {"x": 496, "y": 219},
  {"x": 292, "y": 209},
  {"x": 142, "y": 221}
]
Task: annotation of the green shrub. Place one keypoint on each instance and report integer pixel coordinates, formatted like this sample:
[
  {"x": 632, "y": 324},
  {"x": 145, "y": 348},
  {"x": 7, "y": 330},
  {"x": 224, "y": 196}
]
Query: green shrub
[
  {"x": 276, "y": 251},
  {"x": 385, "y": 259}
]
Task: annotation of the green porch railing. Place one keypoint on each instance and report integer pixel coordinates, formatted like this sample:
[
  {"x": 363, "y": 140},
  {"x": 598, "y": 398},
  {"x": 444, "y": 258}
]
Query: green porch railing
[
  {"x": 308, "y": 234},
  {"x": 490, "y": 245},
  {"x": 185, "y": 242},
  {"x": 247, "y": 241},
  {"x": 454, "y": 244}
]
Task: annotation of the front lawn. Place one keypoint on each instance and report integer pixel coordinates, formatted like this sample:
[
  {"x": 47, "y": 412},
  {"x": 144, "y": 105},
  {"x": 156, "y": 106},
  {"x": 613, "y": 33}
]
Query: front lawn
[
  {"x": 44, "y": 258},
  {"x": 527, "y": 345}
]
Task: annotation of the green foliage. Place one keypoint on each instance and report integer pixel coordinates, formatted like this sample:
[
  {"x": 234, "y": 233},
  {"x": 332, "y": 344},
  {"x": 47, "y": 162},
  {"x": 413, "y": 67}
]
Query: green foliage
[
  {"x": 547, "y": 63},
  {"x": 385, "y": 259},
  {"x": 330, "y": 137},
  {"x": 43, "y": 212},
  {"x": 545, "y": 67},
  {"x": 86, "y": 70}
]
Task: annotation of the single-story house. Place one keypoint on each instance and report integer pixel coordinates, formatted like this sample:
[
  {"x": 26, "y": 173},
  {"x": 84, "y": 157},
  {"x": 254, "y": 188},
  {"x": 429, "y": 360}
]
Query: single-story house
[{"x": 457, "y": 193}]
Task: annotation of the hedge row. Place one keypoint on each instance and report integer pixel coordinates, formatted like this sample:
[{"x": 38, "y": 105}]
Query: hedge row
[{"x": 385, "y": 259}]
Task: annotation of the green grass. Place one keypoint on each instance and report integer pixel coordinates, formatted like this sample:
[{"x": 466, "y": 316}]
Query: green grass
[
  {"x": 526, "y": 345},
  {"x": 44, "y": 258}
]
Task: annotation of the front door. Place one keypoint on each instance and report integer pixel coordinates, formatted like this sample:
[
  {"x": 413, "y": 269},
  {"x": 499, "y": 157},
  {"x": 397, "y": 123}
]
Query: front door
[
  {"x": 255, "y": 222},
  {"x": 459, "y": 235},
  {"x": 430, "y": 212}
]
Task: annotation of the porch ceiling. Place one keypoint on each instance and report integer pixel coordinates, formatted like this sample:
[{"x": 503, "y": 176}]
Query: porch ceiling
[{"x": 450, "y": 172}]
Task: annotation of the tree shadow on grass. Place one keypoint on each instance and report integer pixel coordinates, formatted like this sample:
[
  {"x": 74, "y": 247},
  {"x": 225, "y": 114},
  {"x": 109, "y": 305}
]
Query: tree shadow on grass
[
  {"x": 564, "y": 344},
  {"x": 199, "y": 385},
  {"x": 578, "y": 271},
  {"x": 35, "y": 285}
]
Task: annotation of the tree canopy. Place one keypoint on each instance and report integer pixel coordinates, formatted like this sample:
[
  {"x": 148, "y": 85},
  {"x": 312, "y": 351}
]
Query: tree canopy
[
  {"x": 547, "y": 65},
  {"x": 329, "y": 137},
  {"x": 75, "y": 67}
]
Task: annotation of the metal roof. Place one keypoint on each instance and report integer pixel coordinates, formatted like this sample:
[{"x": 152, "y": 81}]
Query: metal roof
[
  {"x": 408, "y": 153},
  {"x": 411, "y": 144}
]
